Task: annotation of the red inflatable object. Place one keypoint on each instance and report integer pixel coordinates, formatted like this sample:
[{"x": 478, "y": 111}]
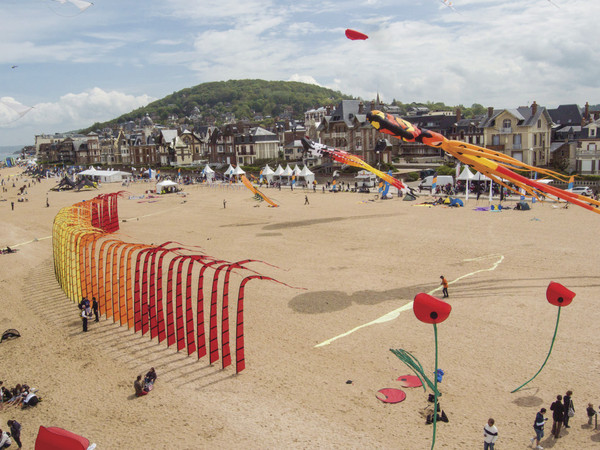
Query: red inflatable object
[
  {"x": 355, "y": 35},
  {"x": 429, "y": 309},
  {"x": 408, "y": 381},
  {"x": 558, "y": 295},
  {"x": 391, "y": 395},
  {"x": 54, "y": 438}
]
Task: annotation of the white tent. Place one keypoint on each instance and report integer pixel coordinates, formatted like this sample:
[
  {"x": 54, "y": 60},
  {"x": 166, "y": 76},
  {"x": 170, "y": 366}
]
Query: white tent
[
  {"x": 238, "y": 171},
  {"x": 208, "y": 173},
  {"x": 465, "y": 175},
  {"x": 105, "y": 176},
  {"x": 166, "y": 186},
  {"x": 296, "y": 170},
  {"x": 267, "y": 173},
  {"x": 480, "y": 177},
  {"x": 278, "y": 171},
  {"x": 309, "y": 177},
  {"x": 229, "y": 171}
]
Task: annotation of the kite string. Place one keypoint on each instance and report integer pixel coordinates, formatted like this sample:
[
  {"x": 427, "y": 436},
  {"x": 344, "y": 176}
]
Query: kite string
[{"x": 548, "y": 356}]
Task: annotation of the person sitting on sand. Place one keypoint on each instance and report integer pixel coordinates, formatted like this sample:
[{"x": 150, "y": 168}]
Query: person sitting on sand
[
  {"x": 4, "y": 439},
  {"x": 149, "y": 379},
  {"x": 137, "y": 385},
  {"x": 31, "y": 399}
]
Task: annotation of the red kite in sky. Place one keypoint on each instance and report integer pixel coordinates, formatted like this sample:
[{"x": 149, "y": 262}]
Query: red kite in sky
[{"x": 355, "y": 35}]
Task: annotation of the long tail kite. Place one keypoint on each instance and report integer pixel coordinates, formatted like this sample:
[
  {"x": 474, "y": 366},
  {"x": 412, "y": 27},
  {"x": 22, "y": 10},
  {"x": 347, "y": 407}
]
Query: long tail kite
[
  {"x": 320, "y": 150},
  {"x": 257, "y": 192},
  {"x": 495, "y": 165}
]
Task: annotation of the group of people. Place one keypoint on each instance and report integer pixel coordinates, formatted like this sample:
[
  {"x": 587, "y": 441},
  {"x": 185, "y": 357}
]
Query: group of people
[
  {"x": 562, "y": 410},
  {"x": 87, "y": 309},
  {"x": 21, "y": 395},
  {"x": 142, "y": 388}
]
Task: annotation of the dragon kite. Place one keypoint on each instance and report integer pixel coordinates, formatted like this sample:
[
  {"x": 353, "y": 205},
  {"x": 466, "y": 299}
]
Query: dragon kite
[{"x": 499, "y": 167}]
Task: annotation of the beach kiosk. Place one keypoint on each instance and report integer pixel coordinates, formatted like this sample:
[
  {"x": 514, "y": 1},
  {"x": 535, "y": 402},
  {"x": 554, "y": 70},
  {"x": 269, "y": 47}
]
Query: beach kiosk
[{"x": 267, "y": 173}]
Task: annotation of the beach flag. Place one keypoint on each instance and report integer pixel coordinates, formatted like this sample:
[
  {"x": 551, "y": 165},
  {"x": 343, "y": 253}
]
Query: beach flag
[
  {"x": 149, "y": 173},
  {"x": 293, "y": 180},
  {"x": 179, "y": 173},
  {"x": 333, "y": 183},
  {"x": 535, "y": 178},
  {"x": 158, "y": 174},
  {"x": 434, "y": 184},
  {"x": 570, "y": 185},
  {"x": 260, "y": 178}
]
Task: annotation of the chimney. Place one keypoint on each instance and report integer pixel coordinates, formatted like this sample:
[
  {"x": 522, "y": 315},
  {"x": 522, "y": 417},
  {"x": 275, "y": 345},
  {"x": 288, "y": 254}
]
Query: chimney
[
  {"x": 372, "y": 105},
  {"x": 587, "y": 111},
  {"x": 490, "y": 111},
  {"x": 361, "y": 108},
  {"x": 533, "y": 108},
  {"x": 458, "y": 115}
]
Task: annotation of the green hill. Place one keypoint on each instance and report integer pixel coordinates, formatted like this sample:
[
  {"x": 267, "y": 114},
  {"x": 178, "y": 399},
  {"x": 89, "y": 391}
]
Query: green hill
[{"x": 211, "y": 103}]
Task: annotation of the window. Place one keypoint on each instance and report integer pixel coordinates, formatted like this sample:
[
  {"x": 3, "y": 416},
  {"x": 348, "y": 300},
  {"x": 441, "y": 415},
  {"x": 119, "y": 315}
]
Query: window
[
  {"x": 506, "y": 123},
  {"x": 591, "y": 147},
  {"x": 517, "y": 141},
  {"x": 495, "y": 139},
  {"x": 592, "y": 132},
  {"x": 534, "y": 139},
  {"x": 539, "y": 123}
]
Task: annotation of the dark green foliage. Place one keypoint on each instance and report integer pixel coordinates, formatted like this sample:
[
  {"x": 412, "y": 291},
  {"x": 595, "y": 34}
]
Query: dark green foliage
[
  {"x": 446, "y": 170},
  {"x": 411, "y": 176}
]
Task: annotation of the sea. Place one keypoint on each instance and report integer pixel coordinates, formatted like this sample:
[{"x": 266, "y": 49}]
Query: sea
[{"x": 9, "y": 151}]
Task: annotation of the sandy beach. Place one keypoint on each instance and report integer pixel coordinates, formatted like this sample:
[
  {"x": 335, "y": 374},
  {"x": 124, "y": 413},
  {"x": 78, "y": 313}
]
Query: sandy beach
[{"x": 358, "y": 260}]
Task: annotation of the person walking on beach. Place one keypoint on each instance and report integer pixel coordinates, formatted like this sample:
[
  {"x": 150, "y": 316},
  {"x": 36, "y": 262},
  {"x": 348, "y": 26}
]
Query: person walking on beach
[
  {"x": 538, "y": 426},
  {"x": 224, "y": 203},
  {"x": 591, "y": 412},
  {"x": 444, "y": 285},
  {"x": 84, "y": 320},
  {"x": 490, "y": 435},
  {"x": 558, "y": 416},
  {"x": 15, "y": 431},
  {"x": 306, "y": 200},
  {"x": 95, "y": 309},
  {"x": 568, "y": 408},
  {"x": 12, "y": 206}
]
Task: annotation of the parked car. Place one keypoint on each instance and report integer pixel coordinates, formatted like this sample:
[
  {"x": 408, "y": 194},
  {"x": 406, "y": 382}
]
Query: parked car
[{"x": 583, "y": 190}]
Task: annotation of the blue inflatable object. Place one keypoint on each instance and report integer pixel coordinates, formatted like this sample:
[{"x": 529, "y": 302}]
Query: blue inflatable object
[{"x": 439, "y": 374}]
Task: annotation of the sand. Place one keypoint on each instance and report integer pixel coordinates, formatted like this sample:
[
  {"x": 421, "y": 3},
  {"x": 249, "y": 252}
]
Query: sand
[{"x": 358, "y": 260}]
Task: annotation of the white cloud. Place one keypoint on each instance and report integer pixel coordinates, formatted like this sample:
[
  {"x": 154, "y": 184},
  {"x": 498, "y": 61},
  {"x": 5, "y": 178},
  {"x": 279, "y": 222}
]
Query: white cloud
[{"x": 74, "y": 111}]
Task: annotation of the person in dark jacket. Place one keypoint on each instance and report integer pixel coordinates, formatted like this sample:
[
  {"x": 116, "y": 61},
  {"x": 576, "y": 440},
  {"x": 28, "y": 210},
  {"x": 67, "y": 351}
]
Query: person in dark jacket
[
  {"x": 568, "y": 405},
  {"x": 15, "y": 431},
  {"x": 538, "y": 426},
  {"x": 558, "y": 416}
]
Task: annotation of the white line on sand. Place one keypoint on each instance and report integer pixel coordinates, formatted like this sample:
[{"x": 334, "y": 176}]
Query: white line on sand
[
  {"x": 396, "y": 313},
  {"x": 29, "y": 242}
]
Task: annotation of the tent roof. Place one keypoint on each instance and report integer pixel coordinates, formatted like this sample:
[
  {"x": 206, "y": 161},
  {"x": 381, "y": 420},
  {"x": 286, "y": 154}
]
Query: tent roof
[
  {"x": 297, "y": 170},
  {"x": 238, "y": 171},
  {"x": 207, "y": 169},
  {"x": 278, "y": 171},
  {"x": 229, "y": 170},
  {"x": 480, "y": 177},
  {"x": 165, "y": 183},
  {"x": 306, "y": 171},
  {"x": 287, "y": 172},
  {"x": 466, "y": 174},
  {"x": 267, "y": 170}
]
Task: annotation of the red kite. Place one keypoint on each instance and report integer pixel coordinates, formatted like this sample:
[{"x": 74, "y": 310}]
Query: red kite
[{"x": 355, "y": 35}]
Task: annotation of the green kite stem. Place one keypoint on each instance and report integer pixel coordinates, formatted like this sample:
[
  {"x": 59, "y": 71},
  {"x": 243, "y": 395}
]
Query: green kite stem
[
  {"x": 435, "y": 391},
  {"x": 551, "y": 345}
]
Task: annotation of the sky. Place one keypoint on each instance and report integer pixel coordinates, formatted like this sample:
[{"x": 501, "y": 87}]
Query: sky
[{"x": 75, "y": 68}]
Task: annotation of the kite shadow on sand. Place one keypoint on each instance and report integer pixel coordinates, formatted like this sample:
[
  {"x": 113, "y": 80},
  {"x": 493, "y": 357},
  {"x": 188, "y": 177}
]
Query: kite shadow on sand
[{"x": 320, "y": 302}]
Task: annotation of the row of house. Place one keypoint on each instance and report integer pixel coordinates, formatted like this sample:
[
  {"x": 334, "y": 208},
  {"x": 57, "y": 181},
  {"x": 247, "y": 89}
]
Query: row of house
[{"x": 565, "y": 137}]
